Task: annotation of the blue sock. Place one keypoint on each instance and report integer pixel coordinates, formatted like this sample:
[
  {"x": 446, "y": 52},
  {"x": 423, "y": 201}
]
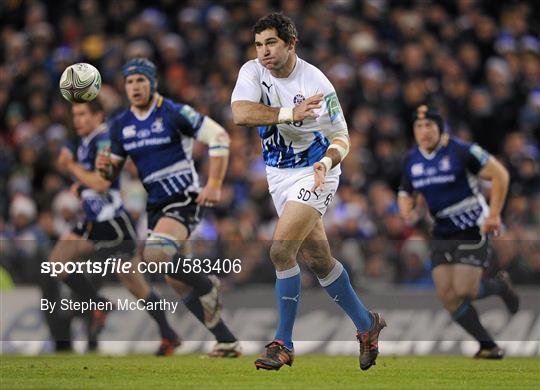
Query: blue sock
[
  {"x": 489, "y": 287},
  {"x": 287, "y": 299},
  {"x": 338, "y": 286}
]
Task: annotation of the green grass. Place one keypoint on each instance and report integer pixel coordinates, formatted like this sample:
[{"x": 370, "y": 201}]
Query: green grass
[{"x": 308, "y": 372}]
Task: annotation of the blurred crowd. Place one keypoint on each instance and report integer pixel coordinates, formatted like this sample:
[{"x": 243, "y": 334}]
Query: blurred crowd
[{"x": 477, "y": 61}]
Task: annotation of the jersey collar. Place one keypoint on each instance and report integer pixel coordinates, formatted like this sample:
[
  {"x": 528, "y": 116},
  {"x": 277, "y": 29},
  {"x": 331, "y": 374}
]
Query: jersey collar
[{"x": 150, "y": 110}]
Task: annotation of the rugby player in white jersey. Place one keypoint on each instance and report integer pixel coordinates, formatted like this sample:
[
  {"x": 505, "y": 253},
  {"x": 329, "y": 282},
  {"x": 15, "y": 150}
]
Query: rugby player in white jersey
[{"x": 304, "y": 138}]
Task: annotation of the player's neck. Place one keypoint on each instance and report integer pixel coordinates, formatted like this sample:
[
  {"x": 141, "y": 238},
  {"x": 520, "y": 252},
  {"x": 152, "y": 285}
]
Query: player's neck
[
  {"x": 287, "y": 69},
  {"x": 143, "y": 110}
]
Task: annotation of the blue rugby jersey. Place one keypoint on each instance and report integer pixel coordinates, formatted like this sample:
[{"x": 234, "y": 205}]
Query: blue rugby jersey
[
  {"x": 97, "y": 206},
  {"x": 160, "y": 144},
  {"x": 447, "y": 179}
]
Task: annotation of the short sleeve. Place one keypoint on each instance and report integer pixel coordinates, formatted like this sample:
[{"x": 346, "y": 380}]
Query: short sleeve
[
  {"x": 405, "y": 186},
  {"x": 186, "y": 119},
  {"x": 475, "y": 158},
  {"x": 247, "y": 85},
  {"x": 330, "y": 114},
  {"x": 117, "y": 148}
]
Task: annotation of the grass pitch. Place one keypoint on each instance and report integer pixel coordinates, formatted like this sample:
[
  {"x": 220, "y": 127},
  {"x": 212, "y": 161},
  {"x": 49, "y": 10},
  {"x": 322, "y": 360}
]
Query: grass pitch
[{"x": 309, "y": 371}]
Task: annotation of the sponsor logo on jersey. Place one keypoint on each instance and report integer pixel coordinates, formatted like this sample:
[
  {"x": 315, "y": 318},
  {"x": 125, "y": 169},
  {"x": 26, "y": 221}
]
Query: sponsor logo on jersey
[
  {"x": 417, "y": 169},
  {"x": 298, "y": 99},
  {"x": 143, "y": 133},
  {"x": 332, "y": 106},
  {"x": 481, "y": 155},
  {"x": 157, "y": 126},
  {"x": 129, "y": 131},
  {"x": 190, "y": 114},
  {"x": 267, "y": 86}
]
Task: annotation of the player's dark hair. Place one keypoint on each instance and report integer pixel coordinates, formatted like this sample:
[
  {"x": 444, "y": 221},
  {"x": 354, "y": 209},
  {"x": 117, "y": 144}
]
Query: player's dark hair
[
  {"x": 95, "y": 106},
  {"x": 283, "y": 24}
]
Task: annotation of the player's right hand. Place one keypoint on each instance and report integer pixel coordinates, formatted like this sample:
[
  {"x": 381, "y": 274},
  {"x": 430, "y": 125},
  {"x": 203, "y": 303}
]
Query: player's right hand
[
  {"x": 64, "y": 159},
  {"x": 306, "y": 108}
]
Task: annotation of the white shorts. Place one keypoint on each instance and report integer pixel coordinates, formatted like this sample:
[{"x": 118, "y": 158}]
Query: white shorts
[{"x": 294, "y": 184}]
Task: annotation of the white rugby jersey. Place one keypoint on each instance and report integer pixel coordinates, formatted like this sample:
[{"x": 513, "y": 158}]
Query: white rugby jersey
[{"x": 299, "y": 144}]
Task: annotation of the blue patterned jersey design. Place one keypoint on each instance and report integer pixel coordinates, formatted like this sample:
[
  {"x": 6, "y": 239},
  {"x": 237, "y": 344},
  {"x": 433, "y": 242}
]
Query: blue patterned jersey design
[
  {"x": 280, "y": 154},
  {"x": 160, "y": 145},
  {"x": 447, "y": 179},
  {"x": 97, "y": 206}
]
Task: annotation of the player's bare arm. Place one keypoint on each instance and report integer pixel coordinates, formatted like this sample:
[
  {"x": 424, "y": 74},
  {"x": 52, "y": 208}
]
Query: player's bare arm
[
  {"x": 91, "y": 179},
  {"x": 217, "y": 139},
  {"x": 495, "y": 172},
  {"x": 108, "y": 168},
  {"x": 250, "y": 114},
  {"x": 336, "y": 152}
]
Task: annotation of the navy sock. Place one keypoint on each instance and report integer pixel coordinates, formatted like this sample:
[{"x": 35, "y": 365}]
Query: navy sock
[
  {"x": 82, "y": 286},
  {"x": 288, "y": 285},
  {"x": 467, "y": 316},
  {"x": 160, "y": 317},
  {"x": 489, "y": 287},
  {"x": 221, "y": 332},
  {"x": 200, "y": 283},
  {"x": 338, "y": 286}
]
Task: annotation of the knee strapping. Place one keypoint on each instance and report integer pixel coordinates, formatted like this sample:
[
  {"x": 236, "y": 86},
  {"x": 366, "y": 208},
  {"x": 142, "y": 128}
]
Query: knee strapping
[{"x": 164, "y": 243}]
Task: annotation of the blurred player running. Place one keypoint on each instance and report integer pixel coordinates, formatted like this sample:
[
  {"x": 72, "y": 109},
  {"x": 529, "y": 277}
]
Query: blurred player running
[
  {"x": 107, "y": 227},
  {"x": 158, "y": 135},
  {"x": 445, "y": 171}
]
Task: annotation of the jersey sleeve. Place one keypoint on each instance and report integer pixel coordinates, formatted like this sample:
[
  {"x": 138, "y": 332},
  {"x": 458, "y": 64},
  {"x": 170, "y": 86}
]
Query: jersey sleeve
[
  {"x": 247, "y": 85},
  {"x": 475, "y": 157},
  {"x": 330, "y": 114},
  {"x": 117, "y": 148},
  {"x": 405, "y": 186},
  {"x": 186, "y": 119}
]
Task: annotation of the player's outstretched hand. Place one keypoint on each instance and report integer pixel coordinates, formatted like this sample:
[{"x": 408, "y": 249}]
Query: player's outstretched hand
[
  {"x": 492, "y": 224},
  {"x": 209, "y": 196},
  {"x": 318, "y": 177},
  {"x": 64, "y": 159},
  {"x": 306, "y": 108}
]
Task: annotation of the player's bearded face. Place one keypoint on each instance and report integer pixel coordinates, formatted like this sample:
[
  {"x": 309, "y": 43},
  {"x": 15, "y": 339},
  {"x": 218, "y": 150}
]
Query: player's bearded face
[
  {"x": 426, "y": 134},
  {"x": 138, "y": 90},
  {"x": 272, "y": 51}
]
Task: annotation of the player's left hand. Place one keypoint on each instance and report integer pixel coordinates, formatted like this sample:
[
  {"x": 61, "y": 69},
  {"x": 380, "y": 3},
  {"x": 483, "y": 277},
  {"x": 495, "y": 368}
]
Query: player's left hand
[
  {"x": 209, "y": 196},
  {"x": 64, "y": 159},
  {"x": 318, "y": 176},
  {"x": 492, "y": 224}
]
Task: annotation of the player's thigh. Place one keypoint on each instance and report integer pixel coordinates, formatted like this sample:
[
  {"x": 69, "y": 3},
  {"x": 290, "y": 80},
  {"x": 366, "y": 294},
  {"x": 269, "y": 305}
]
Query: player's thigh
[
  {"x": 69, "y": 247},
  {"x": 466, "y": 280},
  {"x": 443, "y": 280},
  {"x": 171, "y": 227}
]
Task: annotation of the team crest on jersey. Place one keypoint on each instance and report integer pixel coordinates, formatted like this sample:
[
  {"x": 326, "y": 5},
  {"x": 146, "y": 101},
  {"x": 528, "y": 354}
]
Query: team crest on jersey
[
  {"x": 417, "y": 169},
  {"x": 157, "y": 126},
  {"x": 444, "y": 164},
  {"x": 129, "y": 131},
  {"x": 298, "y": 99}
]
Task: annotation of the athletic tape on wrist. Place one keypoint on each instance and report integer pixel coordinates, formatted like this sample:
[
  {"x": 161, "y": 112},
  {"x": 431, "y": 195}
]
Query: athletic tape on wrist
[
  {"x": 285, "y": 115},
  {"x": 327, "y": 162}
]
